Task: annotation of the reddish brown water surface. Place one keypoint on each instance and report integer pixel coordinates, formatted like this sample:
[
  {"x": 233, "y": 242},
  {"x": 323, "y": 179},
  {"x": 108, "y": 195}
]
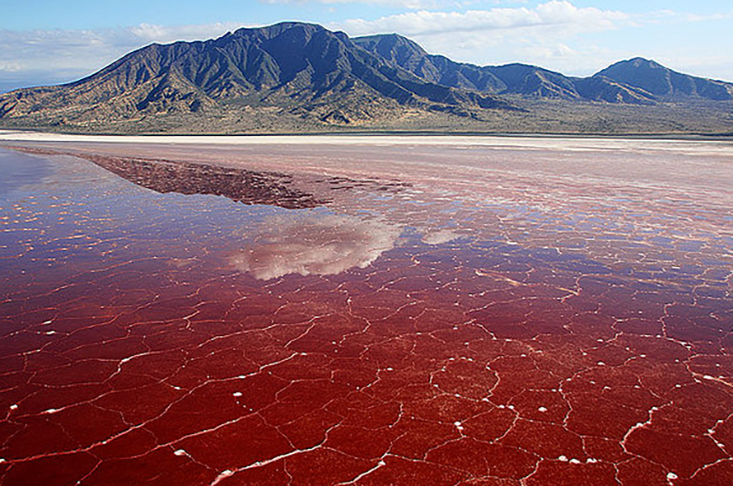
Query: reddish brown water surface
[{"x": 411, "y": 313}]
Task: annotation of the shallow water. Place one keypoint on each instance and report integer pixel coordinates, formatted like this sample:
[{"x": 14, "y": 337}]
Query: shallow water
[
  {"x": 19, "y": 171},
  {"x": 502, "y": 326}
]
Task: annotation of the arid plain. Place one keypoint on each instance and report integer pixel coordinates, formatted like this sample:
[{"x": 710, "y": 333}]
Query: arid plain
[{"x": 365, "y": 310}]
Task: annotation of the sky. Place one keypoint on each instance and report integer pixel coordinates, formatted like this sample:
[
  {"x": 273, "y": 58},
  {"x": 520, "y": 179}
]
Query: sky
[{"x": 50, "y": 41}]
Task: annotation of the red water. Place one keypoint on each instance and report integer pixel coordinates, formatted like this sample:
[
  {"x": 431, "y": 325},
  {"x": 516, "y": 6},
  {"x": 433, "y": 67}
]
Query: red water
[{"x": 501, "y": 326}]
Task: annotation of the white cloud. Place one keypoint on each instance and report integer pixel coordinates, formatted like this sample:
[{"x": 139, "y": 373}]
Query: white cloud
[
  {"x": 166, "y": 34},
  {"x": 671, "y": 17},
  {"x": 10, "y": 66},
  {"x": 439, "y": 237},
  {"x": 555, "y": 14}
]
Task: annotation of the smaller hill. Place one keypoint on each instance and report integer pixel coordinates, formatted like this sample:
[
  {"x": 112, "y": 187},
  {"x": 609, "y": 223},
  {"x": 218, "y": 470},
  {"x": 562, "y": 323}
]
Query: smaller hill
[{"x": 665, "y": 84}]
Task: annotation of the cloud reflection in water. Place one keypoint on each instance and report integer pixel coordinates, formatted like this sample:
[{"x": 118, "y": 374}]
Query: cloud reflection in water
[{"x": 315, "y": 244}]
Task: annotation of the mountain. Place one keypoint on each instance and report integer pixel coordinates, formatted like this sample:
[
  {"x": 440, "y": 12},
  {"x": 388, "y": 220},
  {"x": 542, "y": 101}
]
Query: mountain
[
  {"x": 512, "y": 79},
  {"x": 665, "y": 84},
  {"x": 295, "y": 71},
  {"x": 637, "y": 81},
  {"x": 298, "y": 77}
]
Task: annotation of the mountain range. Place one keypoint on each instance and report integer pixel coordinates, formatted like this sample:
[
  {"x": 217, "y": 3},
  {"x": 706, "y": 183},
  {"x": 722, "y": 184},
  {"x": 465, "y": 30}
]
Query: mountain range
[
  {"x": 293, "y": 77},
  {"x": 637, "y": 81}
]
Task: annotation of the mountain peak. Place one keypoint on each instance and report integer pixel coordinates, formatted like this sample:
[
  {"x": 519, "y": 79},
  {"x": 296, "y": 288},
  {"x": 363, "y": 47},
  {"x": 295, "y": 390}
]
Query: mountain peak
[
  {"x": 390, "y": 41},
  {"x": 277, "y": 29},
  {"x": 638, "y": 63},
  {"x": 393, "y": 48},
  {"x": 297, "y": 31}
]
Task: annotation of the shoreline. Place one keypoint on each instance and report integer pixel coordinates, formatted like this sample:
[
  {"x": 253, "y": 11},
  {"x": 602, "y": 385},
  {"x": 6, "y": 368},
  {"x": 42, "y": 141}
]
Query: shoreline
[
  {"x": 503, "y": 141},
  {"x": 683, "y": 136}
]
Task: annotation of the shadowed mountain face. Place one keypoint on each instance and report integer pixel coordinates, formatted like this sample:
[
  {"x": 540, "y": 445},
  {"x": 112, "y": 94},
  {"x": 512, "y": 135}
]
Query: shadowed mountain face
[{"x": 637, "y": 81}]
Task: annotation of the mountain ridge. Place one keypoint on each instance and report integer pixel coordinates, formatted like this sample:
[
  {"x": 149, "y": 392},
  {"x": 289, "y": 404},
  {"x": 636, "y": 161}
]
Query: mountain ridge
[
  {"x": 626, "y": 81},
  {"x": 295, "y": 76}
]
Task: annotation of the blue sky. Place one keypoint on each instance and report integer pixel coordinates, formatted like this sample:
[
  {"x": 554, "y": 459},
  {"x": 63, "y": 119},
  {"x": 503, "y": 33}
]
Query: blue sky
[{"x": 46, "y": 41}]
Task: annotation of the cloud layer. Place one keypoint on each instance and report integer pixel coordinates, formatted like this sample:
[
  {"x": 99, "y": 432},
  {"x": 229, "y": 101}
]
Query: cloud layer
[{"x": 555, "y": 14}]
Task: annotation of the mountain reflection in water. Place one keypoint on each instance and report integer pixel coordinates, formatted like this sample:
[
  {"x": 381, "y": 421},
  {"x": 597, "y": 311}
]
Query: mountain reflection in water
[
  {"x": 167, "y": 176},
  {"x": 240, "y": 185}
]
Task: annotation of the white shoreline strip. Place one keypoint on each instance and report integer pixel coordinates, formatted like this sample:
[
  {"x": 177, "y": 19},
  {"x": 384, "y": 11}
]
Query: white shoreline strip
[{"x": 722, "y": 147}]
